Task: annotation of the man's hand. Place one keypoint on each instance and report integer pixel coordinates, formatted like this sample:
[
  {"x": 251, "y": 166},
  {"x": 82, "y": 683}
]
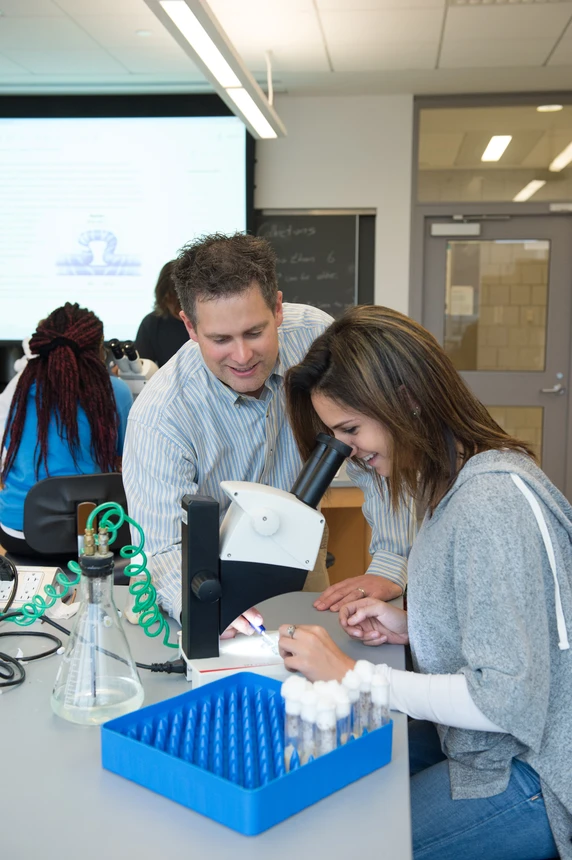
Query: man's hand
[
  {"x": 355, "y": 588},
  {"x": 374, "y": 622},
  {"x": 242, "y": 625},
  {"x": 312, "y": 652}
]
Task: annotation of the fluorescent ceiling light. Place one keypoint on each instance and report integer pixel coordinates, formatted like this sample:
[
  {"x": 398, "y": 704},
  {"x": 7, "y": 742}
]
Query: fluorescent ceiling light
[
  {"x": 549, "y": 108},
  {"x": 528, "y": 190},
  {"x": 246, "y": 105},
  {"x": 195, "y": 28},
  {"x": 200, "y": 41},
  {"x": 561, "y": 161},
  {"x": 496, "y": 146}
]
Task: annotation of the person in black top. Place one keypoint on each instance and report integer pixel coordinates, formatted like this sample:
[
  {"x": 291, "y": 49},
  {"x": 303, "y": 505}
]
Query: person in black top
[{"x": 162, "y": 333}]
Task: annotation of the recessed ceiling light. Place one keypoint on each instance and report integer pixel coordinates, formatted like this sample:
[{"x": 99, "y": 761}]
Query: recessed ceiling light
[
  {"x": 496, "y": 146},
  {"x": 528, "y": 190},
  {"x": 562, "y": 160},
  {"x": 549, "y": 108},
  {"x": 143, "y": 33}
]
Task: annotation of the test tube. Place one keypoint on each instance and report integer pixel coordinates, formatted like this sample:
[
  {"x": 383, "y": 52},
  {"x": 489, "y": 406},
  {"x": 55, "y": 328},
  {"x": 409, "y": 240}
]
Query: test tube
[
  {"x": 351, "y": 683},
  {"x": 307, "y": 747},
  {"x": 326, "y": 736},
  {"x": 343, "y": 715},
  {"x": 379, "y": 702},
  {"x": 292, "y": 691},
  {"x": 364, "y": 670}
]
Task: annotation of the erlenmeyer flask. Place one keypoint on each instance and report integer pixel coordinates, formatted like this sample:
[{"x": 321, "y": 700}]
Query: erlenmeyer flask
[{"x": 97, "y": 679}]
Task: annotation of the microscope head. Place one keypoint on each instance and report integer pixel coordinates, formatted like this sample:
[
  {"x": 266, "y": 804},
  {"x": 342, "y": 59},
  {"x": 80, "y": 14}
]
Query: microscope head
[
  {"x": 264, "y": 525},
  {"x": 268, "y": 541},
  {"x": 133, "y": 370}
]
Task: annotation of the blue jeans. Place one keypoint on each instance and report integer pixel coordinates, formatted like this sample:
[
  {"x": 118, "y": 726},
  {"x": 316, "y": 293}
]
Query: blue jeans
[{"x": 510, "y": 826}]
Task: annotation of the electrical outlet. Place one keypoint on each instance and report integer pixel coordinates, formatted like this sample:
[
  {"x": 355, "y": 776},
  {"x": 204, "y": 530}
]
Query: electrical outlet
[{"x": 31, "y": 581}]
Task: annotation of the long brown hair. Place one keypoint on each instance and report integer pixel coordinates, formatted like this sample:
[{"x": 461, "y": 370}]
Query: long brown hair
[
  {"x": 68, "y": 372},
  {"x": 166, "y": 299},
  {"x": 384, "y": 365}
]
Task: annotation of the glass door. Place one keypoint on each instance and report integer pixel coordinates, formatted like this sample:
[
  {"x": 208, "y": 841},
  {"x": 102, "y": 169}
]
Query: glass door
[{"x": 497, "y": 295}]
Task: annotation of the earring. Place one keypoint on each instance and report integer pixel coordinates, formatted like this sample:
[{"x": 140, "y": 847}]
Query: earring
[{"x": 415, "y": 413}]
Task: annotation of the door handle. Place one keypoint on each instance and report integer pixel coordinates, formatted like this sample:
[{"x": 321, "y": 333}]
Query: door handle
[{"x": 556, "y": 389}]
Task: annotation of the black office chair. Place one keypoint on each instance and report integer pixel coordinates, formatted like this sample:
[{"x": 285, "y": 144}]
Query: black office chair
[{"x": 50, "y": 518}]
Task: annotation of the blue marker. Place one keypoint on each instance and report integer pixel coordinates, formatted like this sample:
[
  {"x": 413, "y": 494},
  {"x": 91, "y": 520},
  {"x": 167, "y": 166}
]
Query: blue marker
[{"x": 260, "y": 628}]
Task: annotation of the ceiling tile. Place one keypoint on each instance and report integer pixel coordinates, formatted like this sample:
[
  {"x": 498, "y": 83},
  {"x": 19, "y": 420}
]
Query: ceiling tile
[
  {"x": 374, "y": 57},
  {"x": 293, "y": 37},
  {"x": 157, "y": 60},
  {"x": 29, "y": 9},
  {"x": 494, "y": 53},
  {"x": 359, "y": 5},
  {"x": 548, "y": 147},
  {"x": 101, "y": 7},
  {"x": 10, "y": 68},
  {"x": 43, "y": 34},
  {"x": 402, "y": 25},
  {"x": 95, "y": 62},
  {"x": 475, "y": 142},
  {"x": 438, "y": 150},
  {"x": 112, "y": 30},
  {"x": 295, "y": 58},
  {"x": 541, "y": 21},
  {"x": 562, "y": 56},
  {"x": 226, "y": 10}
]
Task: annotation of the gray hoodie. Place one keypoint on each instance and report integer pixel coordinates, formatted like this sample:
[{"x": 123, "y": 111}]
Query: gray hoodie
[{"x": 481, "y": 601}]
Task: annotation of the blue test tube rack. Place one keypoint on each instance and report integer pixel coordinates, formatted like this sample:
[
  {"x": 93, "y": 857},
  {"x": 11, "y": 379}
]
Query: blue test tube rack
[{"x": 219, "y": 750}]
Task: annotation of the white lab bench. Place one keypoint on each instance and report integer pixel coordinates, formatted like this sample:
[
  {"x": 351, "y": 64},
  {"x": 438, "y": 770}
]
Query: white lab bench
[{"x": 59, "y": 804}]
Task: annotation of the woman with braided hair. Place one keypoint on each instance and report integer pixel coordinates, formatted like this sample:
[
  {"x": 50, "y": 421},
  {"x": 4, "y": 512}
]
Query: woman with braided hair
[{"x": 67, "y": 416}]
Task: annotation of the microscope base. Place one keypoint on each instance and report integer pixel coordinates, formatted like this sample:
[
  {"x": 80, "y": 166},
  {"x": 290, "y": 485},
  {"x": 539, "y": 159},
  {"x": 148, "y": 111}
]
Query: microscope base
[{"x": 241, "y": 654}]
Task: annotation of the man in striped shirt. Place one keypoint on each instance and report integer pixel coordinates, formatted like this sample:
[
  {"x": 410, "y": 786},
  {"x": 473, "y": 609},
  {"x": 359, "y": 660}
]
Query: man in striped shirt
[{"x": 216, "y": 412}]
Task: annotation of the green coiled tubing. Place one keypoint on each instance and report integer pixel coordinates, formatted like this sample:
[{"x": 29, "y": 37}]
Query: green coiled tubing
[{"x": 112, "y": 517}]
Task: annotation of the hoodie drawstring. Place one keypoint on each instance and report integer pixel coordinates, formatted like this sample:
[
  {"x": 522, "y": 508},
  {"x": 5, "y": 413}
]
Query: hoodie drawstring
[{"x": 563, "y": 643}]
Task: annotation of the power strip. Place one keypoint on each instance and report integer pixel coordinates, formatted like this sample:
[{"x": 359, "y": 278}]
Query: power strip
[{"x": 31, "y": 581}]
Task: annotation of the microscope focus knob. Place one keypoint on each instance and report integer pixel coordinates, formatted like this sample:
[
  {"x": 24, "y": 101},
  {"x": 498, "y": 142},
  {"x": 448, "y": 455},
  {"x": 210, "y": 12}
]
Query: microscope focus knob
[
  {"x": 205, "y": 587},
  {"x": 265, "y": 521}
]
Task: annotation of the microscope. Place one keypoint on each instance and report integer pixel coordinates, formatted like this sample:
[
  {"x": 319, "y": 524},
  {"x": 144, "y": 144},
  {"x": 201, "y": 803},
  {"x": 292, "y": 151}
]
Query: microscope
[
  {"x": 268, "y": 541},
  {"x": 133, "y": 370}
]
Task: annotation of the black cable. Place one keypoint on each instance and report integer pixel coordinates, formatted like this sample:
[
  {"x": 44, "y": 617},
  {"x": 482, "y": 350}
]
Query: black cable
[
  {"x": 172, "y": 667},
  {"x": 8, "y": 570},
  {"x": 37, "y": 633},
  {"x": 9, "y": 668},
  {"x": 55, "y": 624},
  {"x": 12, "y": 672}
]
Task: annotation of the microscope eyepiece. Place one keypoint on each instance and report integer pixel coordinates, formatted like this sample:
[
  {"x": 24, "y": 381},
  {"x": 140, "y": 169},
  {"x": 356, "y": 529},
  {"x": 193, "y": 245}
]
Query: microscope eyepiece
[
  {"x": 319, "y": 470},
  {"x": 116, "y": 348},
  {"x": 130, "y": 351}
]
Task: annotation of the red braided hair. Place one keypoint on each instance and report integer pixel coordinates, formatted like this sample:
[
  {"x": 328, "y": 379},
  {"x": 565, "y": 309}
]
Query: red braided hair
[{"x": 69, "y": 373}]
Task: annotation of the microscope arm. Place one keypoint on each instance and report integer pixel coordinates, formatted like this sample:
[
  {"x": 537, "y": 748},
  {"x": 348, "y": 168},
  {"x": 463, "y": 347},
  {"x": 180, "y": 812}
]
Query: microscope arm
[{"x": 264, "y": 525}]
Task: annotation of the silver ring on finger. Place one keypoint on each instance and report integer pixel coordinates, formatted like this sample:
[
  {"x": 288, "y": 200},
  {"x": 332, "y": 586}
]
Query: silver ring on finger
[
  {"x": 363, "y": 594},
  {"x": 290, "y": 630}
]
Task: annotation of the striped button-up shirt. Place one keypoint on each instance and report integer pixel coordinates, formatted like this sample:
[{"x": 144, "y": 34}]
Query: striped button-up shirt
[{"x": 187, "y": 432}]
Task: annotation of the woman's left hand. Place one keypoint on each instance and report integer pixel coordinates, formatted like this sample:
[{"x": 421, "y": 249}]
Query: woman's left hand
[{"x": 311, "y": 651}]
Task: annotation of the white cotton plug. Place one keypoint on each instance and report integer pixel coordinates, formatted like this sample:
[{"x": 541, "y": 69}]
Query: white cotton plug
[
  {"x": 364, "y": 669},
  {"x": 342, "y": 701},
  {"x": 351, "y": 682},
  {"x": 382, "y": 670},
  {"x": 309, "y": 704},
  {"x": 293, "y": 687}
]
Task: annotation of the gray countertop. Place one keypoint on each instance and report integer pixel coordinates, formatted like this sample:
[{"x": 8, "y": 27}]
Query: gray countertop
[{"x": 59, "y": 804}]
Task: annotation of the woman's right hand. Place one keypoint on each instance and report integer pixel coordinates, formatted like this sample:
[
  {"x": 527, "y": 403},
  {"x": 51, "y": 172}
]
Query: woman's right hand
[{"x": 374, "y": 622}]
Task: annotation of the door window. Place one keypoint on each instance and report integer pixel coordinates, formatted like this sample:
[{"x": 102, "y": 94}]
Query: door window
[{"x": 495, "y": 304}]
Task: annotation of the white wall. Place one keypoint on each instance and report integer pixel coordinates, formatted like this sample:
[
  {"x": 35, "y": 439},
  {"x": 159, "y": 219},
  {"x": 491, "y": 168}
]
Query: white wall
[{"x": 347, "y": 152}]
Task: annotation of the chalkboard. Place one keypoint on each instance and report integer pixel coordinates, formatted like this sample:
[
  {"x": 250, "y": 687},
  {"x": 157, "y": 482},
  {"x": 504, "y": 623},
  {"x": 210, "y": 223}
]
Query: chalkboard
[{"x": 318, "y": 258}]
